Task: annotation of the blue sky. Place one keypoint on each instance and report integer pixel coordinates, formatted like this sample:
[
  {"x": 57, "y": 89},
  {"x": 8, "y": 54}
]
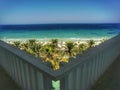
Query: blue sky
[{"x": 59, "y": 11}]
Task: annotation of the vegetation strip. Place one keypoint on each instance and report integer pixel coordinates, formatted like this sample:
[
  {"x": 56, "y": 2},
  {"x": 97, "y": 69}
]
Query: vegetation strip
[{"x": 54, "y": 53}]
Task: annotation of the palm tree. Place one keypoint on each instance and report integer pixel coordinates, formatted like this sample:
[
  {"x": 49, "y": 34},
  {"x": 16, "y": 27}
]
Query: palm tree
[
  {"x": 32, "y": 41},
  {"x": 90, "y": 43},
  {"x": 54, "y": 43},
  {"x": 24, "y": 46},
  {"x": 16, "y": 43},
  {"x": 46, "y": 52},
  {"x": 70, "y": 45},
  {"x": 38, "y": 49}
]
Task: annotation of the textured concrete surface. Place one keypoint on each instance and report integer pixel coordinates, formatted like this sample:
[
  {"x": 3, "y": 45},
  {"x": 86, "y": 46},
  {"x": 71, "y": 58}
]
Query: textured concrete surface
[
  {"x": 6, "y": 83},
  {"x": 110, "y": 80}
]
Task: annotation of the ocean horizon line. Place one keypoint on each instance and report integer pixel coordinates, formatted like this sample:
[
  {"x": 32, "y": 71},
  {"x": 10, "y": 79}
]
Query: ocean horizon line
[{"x": 60, "y": 23}]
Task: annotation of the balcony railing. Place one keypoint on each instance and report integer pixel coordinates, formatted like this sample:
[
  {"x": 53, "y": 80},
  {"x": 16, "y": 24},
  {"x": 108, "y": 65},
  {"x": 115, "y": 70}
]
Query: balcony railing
[{"x": 81, "y": 73}]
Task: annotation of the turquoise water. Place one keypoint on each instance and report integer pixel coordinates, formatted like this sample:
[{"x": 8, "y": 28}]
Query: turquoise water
[{"x": 59, "y": 33}]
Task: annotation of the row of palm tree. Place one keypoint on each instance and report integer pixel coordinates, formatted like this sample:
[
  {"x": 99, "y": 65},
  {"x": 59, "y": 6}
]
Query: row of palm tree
[{"x": 51, "y": 52}]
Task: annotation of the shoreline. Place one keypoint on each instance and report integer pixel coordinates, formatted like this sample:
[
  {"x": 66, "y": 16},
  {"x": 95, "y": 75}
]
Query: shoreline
[{"x": 59, "y": 39}]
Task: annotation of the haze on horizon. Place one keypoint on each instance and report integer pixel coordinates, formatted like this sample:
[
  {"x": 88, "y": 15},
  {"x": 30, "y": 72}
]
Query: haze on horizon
[{"x": 62, "y": 11}]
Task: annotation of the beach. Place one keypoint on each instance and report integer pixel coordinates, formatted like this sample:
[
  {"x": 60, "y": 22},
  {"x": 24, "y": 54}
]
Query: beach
[{"x": 60, "y": 41}]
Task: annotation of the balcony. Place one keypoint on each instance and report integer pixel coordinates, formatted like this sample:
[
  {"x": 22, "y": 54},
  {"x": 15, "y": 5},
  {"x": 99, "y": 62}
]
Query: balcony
[{"x": 81, "y": 73}]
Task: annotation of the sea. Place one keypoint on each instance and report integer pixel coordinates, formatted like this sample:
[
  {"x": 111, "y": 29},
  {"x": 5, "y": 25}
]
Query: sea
[{"x": 59, "y": 33}]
